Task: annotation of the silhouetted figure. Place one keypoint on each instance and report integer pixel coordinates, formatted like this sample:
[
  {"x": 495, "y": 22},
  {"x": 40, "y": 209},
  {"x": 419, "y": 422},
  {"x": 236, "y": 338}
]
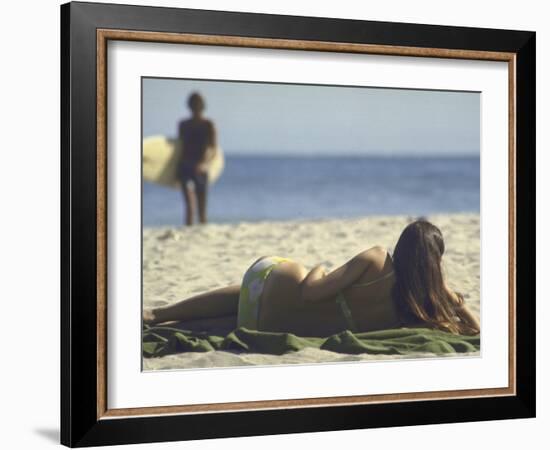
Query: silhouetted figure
[{"x": 199, "y": 140}]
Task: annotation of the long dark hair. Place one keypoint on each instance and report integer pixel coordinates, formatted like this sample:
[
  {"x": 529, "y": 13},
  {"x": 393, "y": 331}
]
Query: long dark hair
[{"x": 420, "y": 292}]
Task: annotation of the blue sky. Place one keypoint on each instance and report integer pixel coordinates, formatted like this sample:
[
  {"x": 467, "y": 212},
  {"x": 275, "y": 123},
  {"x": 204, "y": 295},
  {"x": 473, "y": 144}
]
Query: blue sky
[{"x": 275, "y": 119}]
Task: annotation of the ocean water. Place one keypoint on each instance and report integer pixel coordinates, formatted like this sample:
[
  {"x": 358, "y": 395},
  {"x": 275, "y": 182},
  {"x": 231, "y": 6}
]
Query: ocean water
[{"x": 281, "y": 188}]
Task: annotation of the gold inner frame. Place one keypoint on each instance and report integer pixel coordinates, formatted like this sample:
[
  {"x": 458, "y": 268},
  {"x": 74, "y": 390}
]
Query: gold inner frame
[{"x": 104, "y": 35}]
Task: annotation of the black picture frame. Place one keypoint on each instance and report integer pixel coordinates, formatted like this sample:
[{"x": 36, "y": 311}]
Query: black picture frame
[{"x": 80, "y": 424}]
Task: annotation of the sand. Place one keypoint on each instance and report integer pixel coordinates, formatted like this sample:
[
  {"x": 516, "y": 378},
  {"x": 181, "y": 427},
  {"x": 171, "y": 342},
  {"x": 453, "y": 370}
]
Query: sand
[{"x": 184, "y": 261}]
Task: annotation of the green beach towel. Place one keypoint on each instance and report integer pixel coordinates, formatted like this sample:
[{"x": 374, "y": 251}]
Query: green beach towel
[{"x": 163, "y": 340}]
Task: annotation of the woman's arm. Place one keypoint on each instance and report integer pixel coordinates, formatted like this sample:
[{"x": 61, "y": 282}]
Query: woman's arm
[
  {"x": 314, "y": 275},
  {"x": 318, "y": 286},
  {"x": 467, "y": 316},
  {"x": 464, "y": 313}
]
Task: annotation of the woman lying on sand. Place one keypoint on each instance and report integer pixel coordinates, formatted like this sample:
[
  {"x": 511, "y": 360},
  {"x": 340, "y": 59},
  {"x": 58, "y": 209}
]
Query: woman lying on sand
[{"x": 372, "y": 291}]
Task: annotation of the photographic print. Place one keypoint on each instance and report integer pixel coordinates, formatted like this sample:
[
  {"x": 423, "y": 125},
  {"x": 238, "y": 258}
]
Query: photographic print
[{"x": 292, "y": 224}]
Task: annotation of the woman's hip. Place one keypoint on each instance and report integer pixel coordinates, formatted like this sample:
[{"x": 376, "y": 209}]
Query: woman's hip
[{"x": 269, "y": 278}]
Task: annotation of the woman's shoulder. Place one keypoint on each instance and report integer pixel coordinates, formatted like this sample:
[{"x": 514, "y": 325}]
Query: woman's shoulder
[
  {"x": 380, "y": 259},
  {"x": 376, "y": 253},
  {"x": 379, "y": 268}
]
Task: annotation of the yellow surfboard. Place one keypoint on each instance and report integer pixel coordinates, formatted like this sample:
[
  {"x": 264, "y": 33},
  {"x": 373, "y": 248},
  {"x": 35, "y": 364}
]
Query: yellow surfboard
[{"x": 159, "y": 161}]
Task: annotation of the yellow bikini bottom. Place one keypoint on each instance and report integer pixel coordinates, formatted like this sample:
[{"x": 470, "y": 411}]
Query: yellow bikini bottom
[{"x": 252, "y": 287}]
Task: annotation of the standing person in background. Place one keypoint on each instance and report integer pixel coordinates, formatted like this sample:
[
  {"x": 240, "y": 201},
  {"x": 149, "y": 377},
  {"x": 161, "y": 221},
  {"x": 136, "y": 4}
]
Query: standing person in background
[{"x": 198, "y": 135}]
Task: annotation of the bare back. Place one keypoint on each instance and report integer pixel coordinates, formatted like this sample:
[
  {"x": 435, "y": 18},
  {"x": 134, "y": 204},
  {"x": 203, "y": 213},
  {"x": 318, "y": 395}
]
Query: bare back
[{"x": 369, "y": 299}]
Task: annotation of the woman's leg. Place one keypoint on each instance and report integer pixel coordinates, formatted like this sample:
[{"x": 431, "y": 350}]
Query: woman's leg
[
  {"x": 217, "y": 303},
  {"x": 223, "y": 324}
]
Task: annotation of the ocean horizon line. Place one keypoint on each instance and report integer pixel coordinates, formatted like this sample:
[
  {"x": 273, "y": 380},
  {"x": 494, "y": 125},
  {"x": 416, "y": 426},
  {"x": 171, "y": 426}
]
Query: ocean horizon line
[{"x": 280, "y": 155}]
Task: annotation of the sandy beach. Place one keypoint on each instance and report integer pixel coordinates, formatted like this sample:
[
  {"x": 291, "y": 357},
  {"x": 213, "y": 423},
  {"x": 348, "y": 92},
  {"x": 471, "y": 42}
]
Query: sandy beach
[{"x": 181, "y": 262}]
